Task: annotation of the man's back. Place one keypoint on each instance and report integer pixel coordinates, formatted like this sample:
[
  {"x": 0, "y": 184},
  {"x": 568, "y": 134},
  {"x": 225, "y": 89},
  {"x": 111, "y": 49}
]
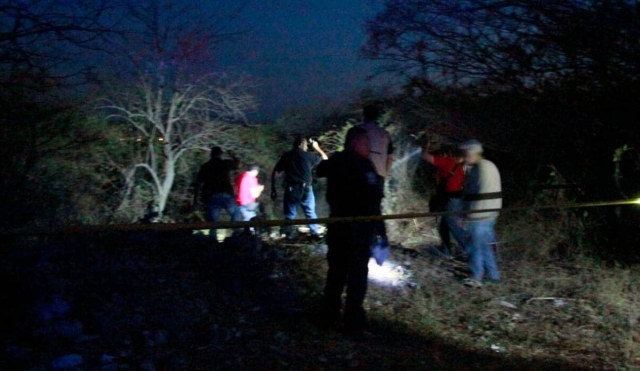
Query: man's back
[
  {"x": 298, "y": 166},
  {"x": 483, "y": 189},
  {"x": 215, "y": 176},
  {"x": 353, "y": 187},
  {"x": 381, "y": 146}
]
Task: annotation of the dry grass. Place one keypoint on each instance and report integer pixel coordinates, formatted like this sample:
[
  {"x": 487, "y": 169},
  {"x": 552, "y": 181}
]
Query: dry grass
[
  {"x": 547, "y": 307},
  {"x": 554, "y": 302}
]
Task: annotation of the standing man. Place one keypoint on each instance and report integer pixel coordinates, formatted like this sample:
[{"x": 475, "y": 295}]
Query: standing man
[
  {"x": 353, "y": 189},
  {"x": 214, "y": 186},
  {"x": 448, "y": 197},
  {"x": 381, "y": 154},
  {"x": 297, "y": 166},
  {"x": 249, "y": 189},
  {"x": 482, "y": 191}
]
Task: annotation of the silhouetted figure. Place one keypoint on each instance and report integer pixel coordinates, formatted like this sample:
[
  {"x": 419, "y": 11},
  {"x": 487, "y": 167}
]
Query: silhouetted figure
[
  {"x": 249, "y": 189},
  {"x": 353, "y": 189},
  {"x": 482, "y": 191},
  {"x": 448, "y": 197},
  {"x": 151, "y": 215},
  {"x": 214, "y": 186},
  {"x": 381, "y": 153},
  {"x": 297, "y": 166}
]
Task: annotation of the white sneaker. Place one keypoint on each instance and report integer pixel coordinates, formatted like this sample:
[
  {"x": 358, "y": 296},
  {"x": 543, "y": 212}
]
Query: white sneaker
[{"x": 470, "y": 282}]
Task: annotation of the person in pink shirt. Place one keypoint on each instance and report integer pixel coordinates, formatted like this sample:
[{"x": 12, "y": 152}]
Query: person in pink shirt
[{"x": 249, "y": 189}]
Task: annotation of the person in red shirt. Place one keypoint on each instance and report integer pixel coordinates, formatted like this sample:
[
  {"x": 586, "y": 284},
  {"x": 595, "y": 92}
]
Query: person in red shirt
[
  {"x": 448, "y": 197},
  {"x": 249, "y": 189}
]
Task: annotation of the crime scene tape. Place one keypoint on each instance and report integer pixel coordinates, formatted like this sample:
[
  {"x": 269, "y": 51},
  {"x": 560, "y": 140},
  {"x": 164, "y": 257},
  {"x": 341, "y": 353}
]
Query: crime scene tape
[{"x": 258, "y": 223}]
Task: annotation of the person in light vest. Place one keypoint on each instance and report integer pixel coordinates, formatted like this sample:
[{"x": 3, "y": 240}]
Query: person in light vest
[{"x": 482, "y": 191}]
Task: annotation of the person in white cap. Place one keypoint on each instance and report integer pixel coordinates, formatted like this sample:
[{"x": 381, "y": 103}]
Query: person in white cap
[{"x": 482, "y": 191}]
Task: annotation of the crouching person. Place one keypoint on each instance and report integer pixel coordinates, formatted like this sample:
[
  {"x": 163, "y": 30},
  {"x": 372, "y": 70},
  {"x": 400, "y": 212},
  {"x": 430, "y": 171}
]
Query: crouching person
[
  {"x": 249, "y": 189},
  {"x": 353, "y": 189},
  {"x": 482, "y": 191}
]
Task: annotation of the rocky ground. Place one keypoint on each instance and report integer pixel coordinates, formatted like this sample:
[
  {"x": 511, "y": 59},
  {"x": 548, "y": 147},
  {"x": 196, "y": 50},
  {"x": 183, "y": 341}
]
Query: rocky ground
[{"x": 176, "y": 301}]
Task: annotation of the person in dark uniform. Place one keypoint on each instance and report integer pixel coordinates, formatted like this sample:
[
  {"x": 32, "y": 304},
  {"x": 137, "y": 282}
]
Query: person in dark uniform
[
  {"x": 297, "y": 166},
  {"x": 214, "y": 186},
  {"x": 353, "y": 189}
]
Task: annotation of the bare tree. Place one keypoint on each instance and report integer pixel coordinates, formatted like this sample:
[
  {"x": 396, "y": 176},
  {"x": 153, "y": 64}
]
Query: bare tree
[
  {"x": 168, "y": 122},
  {"x": 508, "y": 43},
  {"x": 40, "y": 39},
  {"x": 176, "y": 104}
]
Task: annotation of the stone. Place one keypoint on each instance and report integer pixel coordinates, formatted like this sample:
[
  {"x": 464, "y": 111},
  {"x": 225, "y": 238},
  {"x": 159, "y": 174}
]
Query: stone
[
  {"x": 54, "y": 308},
  {"x": 61, "y": 328},
  {"x": 68, "y": 361},
  {"x": 506, "y": 304},
  {"x": 106, "y": 359},
  {"x": 18, "y": 353}
]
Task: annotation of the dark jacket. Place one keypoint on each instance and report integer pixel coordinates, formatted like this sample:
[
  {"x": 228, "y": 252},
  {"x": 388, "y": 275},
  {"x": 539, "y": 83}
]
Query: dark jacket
[
  {"x": 297, "y": 166},
  {"x": 353, "y": 185},
  {"x": 215, "y": 177}
]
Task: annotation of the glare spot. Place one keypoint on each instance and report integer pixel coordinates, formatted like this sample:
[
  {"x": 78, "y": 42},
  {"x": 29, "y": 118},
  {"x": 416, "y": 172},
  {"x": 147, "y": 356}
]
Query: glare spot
[{"x": 388, "y": 274}]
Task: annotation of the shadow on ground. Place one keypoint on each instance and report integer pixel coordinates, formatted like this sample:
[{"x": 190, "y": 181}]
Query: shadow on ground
[{"x": 176, "y": 301}]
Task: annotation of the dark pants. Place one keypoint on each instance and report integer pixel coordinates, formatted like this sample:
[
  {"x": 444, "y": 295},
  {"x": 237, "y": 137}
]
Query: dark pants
[
  {"x": 222, "y": 201},
  {"x": 218, "y": 202},
  {"x": 381, "y": 228},
  {"x": 452, "y": 225},
  {"x": 348, "y": 258},
  {"x": 449, "y": 224}
]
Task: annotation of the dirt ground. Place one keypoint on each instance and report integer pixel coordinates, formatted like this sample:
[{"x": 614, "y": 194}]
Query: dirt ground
[{"x": 168, "y": 302}]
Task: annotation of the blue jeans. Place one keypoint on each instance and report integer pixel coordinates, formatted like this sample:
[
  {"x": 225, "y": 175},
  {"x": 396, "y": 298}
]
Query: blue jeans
[
  {"x": 482, "y": 258},
  {"x": 249, "y": 211},
  {"x": 453, "y": 226},
  {"x": 308, "y": 203},
  {"x": 222, "y": 201}
]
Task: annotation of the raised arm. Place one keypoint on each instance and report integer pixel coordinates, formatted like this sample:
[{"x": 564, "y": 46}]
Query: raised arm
[
  {"x": 317, "y": 148},
  {"x": 428, "y": 157}
]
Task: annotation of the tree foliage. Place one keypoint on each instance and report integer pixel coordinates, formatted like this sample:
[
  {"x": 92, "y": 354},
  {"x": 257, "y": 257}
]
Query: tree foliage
[
  {"x": 176, "y": 103},
  {"x": 512, "y": 43},
  {"x": 41, "y": 39},
  {"x": 167, "y": 122}
]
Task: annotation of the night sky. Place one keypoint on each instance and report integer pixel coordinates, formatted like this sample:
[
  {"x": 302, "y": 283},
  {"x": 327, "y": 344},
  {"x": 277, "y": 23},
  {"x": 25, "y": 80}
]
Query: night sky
[{"x": 301, "y": 52}]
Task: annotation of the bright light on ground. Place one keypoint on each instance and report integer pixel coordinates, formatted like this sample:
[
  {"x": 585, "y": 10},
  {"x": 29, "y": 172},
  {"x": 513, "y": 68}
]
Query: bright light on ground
[
  {"x": 221, "y": 234},
  {"x": 387, "y": 274},
  {"x": 637, "y": 202}
]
